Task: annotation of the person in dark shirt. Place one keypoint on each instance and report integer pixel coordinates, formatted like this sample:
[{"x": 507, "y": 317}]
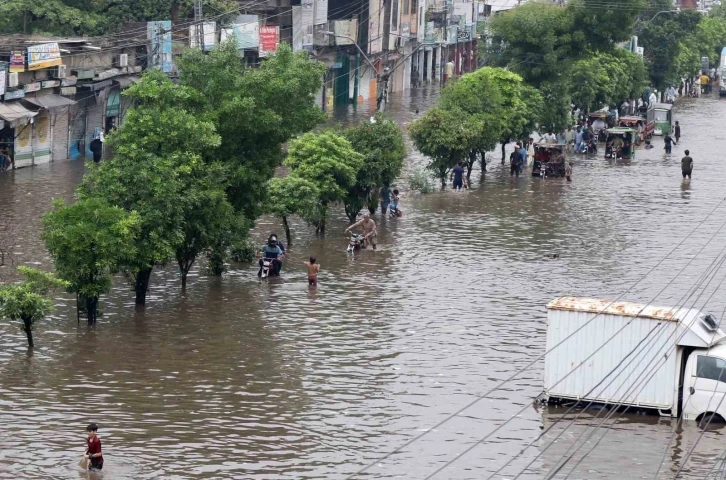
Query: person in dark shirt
[
  {"x": 97, "y": 149},
  {"x": 457, "y": 174},
  {"x": 678, "y": 132},
  {"x": 93, "y": 452},
  {"x": 668, "y": 142},
  {"x": 514, "y": 160},
  {"x": 385, "y": 198},
  {"x": 687, "y": 165}
]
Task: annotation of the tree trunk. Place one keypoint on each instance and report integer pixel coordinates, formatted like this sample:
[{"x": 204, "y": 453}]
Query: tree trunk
[
  {"x": 174, "y": 11},
  {"x": 504, "y": 154},
  {"x": 470, "y": 164},
  {"x": 483, "y": 161},
  {"x": 288, "y": 234},
  {"x": 92, "y": 310},
  {"x": 27, "y": 327},
  {"x": 142, "y": 285}
]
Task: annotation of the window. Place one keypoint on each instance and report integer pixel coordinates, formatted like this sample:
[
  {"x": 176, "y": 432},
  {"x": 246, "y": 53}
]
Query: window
[
  {"x": 394, "y": 16},
  {"x": 711, "y": 368},
  {"x": 406, "y": 7},
  {"x": 661, "y": 116}
]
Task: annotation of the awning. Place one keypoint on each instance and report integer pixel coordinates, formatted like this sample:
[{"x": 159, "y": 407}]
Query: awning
[
  {"x": 50, "y": 101},
  {"x": 96, "y": 86},
  {"x": 125, "y": 82},
  {"x": 14, "y": 111}
]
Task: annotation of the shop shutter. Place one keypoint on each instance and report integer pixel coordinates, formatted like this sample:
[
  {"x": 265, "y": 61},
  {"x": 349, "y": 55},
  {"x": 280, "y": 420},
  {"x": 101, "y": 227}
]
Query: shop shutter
[
  {"x": 59, "y": 146},
  {"x": 23, "y": 145}
]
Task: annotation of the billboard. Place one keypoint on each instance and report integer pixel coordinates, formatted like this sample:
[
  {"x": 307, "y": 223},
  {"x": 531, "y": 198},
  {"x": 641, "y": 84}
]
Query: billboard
[
  {"x": 247, "y": 31},
  {"x": 3, "y": 76},
  {"x": 160, "y": 35},
  {"x": 375, "y": 26},
  {"x": 208, "y": 30},
  {"x": 269, "y": 40},
  {"x": 321, "y": 12},
  {"x": 45, "y": 55},
  {"x": 17, "y": 62},
  {"x": 346, "y": 31}
]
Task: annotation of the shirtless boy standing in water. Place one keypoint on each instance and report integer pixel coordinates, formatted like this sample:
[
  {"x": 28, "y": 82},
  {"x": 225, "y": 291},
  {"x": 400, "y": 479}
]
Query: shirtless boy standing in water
[{"x": 313, "y": 269}]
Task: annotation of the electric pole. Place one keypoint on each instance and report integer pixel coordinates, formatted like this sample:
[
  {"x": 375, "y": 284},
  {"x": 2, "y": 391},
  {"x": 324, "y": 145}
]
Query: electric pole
[{"x": 199, "y": 21}]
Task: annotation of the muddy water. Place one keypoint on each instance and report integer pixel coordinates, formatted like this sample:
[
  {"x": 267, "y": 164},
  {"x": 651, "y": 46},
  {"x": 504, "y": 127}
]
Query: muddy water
[{"x": 238, "y": 379}]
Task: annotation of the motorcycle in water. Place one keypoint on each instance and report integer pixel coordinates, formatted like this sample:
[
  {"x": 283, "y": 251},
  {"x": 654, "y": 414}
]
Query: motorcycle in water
[
  {"x": 267, "y": 265},
  {"x": 394, "y": 212},
  {"x": 356, "y": 242}
]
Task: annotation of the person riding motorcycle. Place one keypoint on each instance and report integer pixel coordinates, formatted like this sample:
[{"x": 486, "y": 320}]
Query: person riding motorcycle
[
  {"x": 272, "y": 250},
  {"x": 370, "y": 230}
]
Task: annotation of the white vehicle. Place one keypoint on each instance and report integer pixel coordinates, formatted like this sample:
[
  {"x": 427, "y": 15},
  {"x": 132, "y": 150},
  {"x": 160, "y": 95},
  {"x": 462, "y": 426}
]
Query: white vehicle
[
  {"x": 721, "y": 70},
  {"x": 672, "y": 360}
]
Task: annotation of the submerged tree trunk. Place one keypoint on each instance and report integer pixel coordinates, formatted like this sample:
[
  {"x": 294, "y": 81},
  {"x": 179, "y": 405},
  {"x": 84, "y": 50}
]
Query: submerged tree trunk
[
  {"x": 483, "y": 161},
  {"x": 142, "y": 285},
  {"x": 92, "y": 310},
  {"x": 288, "y": 234},
  {"x": 27, "y": 327},
  {"x": 504, "y": 153},
  {"x": 470, "y": 164},
  {"x": 184, "y": 267}
]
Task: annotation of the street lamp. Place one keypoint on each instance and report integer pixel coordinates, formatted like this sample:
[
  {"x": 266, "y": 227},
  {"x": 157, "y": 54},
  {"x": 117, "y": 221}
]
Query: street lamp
[{"x": 382, "y": 92}]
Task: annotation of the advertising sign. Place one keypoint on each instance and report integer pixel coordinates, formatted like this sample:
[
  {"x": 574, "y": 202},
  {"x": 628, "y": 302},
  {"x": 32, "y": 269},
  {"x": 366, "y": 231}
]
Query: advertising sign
[
  {"x": 321, "y": 12},
  {"x": 246, "y": 30},
  {"x": 269, "y": 40},
  {"x": 375, "y": 26},
  {"x": 45, "y": 55},
  {"x": 160, "y": 35},
  {"x": 3, "y": 76},
  {"x": 17, "y": 62},
  {"x": 208, "y": 29},
  {"x": 346, "y": 31},
  {"x": 50, "y": 84},
  {"x": 31, "y": 87},
  {"x": 12, "y": 95}
]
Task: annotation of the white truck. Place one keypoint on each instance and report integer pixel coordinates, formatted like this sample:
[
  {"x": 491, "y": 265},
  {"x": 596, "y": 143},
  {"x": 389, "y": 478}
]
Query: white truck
[{"x": 667, "y": 359}]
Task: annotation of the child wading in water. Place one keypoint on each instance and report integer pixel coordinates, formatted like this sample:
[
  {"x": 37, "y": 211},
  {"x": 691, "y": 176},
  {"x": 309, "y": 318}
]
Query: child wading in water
[
  {"x": 313, "y": 269},
  {"x": 93, "y": 452},
  {"x": 568, "y": 172}
]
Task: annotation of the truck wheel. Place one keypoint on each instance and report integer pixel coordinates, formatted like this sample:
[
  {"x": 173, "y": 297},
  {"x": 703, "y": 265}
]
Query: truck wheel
[{"x": 710, "y": 419}]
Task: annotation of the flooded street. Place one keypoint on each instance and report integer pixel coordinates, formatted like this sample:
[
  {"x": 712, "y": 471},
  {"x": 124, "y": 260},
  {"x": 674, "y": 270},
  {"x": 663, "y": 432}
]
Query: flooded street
[{"x": 242, "y": 379}]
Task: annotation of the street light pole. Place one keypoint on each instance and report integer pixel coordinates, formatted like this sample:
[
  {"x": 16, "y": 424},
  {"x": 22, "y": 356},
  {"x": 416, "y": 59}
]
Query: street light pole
[{"x": 379, "y": 76}]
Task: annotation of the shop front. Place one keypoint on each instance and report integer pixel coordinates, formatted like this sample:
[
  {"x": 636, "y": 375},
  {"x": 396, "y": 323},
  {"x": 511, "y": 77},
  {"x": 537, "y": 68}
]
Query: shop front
[
  {"x": 17, "y": 132},
  {"x": 51, "y": 128}
]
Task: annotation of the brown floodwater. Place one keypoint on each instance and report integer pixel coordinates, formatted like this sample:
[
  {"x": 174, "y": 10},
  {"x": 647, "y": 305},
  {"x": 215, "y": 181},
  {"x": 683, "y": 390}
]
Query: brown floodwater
[{"x": 241, "y": 379}]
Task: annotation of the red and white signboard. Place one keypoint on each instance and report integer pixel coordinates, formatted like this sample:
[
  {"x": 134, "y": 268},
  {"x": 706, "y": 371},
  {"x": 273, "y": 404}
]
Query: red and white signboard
[{"x": 269, "y": 40}]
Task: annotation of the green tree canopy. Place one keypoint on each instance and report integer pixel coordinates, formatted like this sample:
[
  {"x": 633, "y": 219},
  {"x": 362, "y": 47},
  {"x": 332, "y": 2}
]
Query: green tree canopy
[
  {"x": 27, "y": 301},
  {"x": 88, "y": 242},
  {"x": 382, "y": 146},
  {"x": 327, "y": 160},
  {"x": 292, "y": 195}
]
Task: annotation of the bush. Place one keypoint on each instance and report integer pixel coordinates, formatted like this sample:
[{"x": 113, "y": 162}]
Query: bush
[
  {"x": 420, "y": 181},
  {"x": 244, "y": 252}
]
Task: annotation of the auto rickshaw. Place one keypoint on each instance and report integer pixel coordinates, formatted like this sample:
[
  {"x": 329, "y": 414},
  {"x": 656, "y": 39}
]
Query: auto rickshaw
[
  {"x": 636, "y": 123},
  {"x": 663, "y": 118},
  {"x": 600, "y": 121},
  {"x": 621, "y": 143},
  {"x": 550, "y": 160}
]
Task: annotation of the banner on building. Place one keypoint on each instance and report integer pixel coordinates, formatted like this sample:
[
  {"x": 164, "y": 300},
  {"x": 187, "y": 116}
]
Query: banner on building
[
  {"x": 346, "y": 31},
  {"x": 375, "y": 26},
  {"x": 45, "y": 55},
  {"x": 246, "y": 30},
  {"x": 209, "y": 30},
  {"x": 17, "y": 62},
  {"x": 160, "y": 35},
  {"x": 3, "y": 77},
  {"x": 321, "y": 12},
  {"x": 269, "y": 40},
  {"x": 302, "y": 26}
]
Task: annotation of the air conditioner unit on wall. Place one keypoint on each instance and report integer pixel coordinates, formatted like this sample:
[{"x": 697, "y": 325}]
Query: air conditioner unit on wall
[
  {"x": 122, "y": 60},
  {"x": 13, "y": 79},
  {"x": 61, "y": 72}
]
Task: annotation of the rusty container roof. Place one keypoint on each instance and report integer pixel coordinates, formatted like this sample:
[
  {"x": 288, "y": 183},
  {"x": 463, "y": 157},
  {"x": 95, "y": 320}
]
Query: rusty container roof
[{"x": 608, "y": 307}]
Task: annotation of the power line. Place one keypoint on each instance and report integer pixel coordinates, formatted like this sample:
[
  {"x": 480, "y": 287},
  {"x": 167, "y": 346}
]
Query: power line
[{"x": 537, "y": 359}]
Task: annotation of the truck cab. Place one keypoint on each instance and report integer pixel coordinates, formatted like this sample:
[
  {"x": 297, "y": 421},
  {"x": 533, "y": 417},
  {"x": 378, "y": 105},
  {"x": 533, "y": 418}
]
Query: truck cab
[{"x": 704, "y": 384}]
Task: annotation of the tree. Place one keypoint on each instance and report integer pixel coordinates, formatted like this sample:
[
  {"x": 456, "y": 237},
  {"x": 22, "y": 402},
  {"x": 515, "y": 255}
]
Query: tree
[
  {"x": 444, "y": 135},
  {"x": 604, "y": 25},
  {"x": 292, "y": 195},
  {"x": 606, "y": 79},
  {"x": 327, "y": 160},
  {"x": 88, "y": 241},
  {"x": 254, "y": 111},
  {"x": 155, "y": 171},
  {"x": 27, "y": 301},
  {"x": 382, "y": 146}
]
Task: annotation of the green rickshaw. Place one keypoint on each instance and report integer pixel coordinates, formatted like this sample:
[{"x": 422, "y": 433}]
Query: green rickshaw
[
  {"x": 663, "y": 113},
  {"x": 620, "y": 143}
]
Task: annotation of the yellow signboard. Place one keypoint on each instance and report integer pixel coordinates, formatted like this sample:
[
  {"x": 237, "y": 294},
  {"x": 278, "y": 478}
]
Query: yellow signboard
[{"x": 46, "y": 55}]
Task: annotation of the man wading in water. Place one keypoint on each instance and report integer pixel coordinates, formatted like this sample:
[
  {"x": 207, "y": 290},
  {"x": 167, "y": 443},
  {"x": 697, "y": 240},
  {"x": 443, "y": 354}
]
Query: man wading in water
[{"x": 369, "y": 229}]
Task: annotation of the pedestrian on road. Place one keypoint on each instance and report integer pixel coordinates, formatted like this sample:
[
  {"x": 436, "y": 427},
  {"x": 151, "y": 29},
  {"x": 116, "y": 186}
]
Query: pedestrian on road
[
  {"x": 530, "y": 151},
  {"x": 514, "y": 160},
  {"x": 549, "y": 138},
  {"x": 678, "y": 132},
  {"x": 96, "y": 148},
  {"x": 522, "y": 156},
  {"x": 385, "y": 198},
  {"x": 93, "y": 448},
  {"x": 457, "y": 175},
  {"x": 578, "y": 140},
  {"x": 313, "y": 270},
  {"x": 568, "y": 171},
  {"x": 569, "y": 137},
  {"x": 668, "y": 140},
  {"x": 687, "y": 165}
]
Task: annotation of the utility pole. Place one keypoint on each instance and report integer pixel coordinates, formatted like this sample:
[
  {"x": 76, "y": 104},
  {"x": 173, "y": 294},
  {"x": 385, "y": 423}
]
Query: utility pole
[{"x": 199, "y": 21}]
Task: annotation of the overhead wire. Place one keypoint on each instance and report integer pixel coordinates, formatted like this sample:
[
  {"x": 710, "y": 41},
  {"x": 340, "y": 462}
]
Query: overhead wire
[
  {"x": 536, "y": 359},
  {"x": 471, "y": 447},
  {"x": 682, "y": 300}
]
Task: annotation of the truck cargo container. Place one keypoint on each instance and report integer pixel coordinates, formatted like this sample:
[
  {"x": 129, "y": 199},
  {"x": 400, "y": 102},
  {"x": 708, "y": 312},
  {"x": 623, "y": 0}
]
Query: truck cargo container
[{"x": 670, "y": 360}]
